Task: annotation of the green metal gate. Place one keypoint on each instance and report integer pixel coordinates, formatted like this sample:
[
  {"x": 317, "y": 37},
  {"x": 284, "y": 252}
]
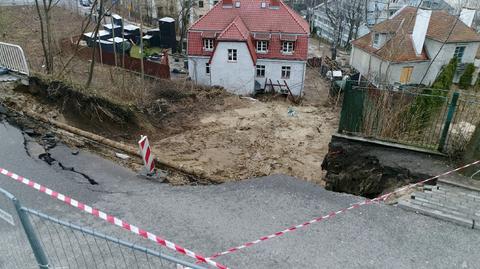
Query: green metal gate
[{"x": 425, "y": 118}]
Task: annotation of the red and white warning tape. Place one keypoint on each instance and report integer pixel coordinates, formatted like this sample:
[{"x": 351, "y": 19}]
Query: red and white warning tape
[
  {"x": 111, "y": 219},
  {"x": 335, "y": 213}
]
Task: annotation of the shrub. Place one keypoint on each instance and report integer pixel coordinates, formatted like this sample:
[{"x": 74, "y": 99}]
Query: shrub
[
  {"x": 466, "y": 78},
  {"x": 431, "y": 100}
]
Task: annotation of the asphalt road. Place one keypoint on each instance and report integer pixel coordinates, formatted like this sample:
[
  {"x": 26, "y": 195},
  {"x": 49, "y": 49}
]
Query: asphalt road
[{"x": 209, "y": 219}]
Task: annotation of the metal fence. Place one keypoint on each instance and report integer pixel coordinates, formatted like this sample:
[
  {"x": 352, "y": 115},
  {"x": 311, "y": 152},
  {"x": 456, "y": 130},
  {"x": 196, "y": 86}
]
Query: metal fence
[
  {"x": 13, "y": 58},
  {"x": 425, "y": 118},
  {"x": 31, "y": 239}
]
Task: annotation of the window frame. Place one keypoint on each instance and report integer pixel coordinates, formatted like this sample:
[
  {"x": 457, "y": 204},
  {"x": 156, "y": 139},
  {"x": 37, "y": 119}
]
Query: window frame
[
  {"x": 376, "y": 40},
  {"x": 201, "y": 4},
  {"x": 457, "y": 50},
  {"x": 286, "y": 72},
  {"x": 208, "y": 44},
  {"x": 262, "y": 48},
  {"x": 286, "y": 49},
  {"x": 260, "y": 68},
  {"x": 232, "y": 55},
  {"x": 207, "y": 69}
]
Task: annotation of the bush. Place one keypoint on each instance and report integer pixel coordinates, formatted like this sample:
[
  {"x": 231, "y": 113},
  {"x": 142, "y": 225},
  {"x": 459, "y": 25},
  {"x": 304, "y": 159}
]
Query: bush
[
  {"x": 431, "y": 100},
  {"x": 466, "y": 78}
]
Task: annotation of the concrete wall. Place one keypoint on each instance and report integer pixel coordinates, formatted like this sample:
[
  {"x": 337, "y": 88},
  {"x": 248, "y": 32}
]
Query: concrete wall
[
  {"x": 273, "y": 71},
  {"x": 237, "y": 77},
  {"x": 197, "y": 69}
]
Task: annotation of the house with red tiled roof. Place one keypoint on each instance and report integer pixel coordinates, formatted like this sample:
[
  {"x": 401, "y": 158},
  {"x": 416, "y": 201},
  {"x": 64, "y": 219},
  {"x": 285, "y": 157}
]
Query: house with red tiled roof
[
  {"x": 242, "y": 45},
  {"x": 413, "y": 45}
]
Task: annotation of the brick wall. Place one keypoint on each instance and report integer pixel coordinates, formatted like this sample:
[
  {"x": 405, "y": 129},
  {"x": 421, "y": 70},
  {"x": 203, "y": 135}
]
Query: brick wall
[{"x": 159, "y": 70}]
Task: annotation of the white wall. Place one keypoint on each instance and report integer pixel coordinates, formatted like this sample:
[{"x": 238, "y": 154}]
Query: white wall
[
  {"x": 197, "y": 70},
  {"x": 237, "y": 77},
  {"x": 273, "y": 71},
  {"x": 445, "y": 55}
]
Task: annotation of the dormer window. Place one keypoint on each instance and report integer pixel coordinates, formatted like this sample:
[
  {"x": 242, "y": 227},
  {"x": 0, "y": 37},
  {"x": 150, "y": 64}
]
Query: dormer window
[
  {"x": 376, "y": 40},
  {"x": 287, "y": 47},
  {"x": 262, "y": 46},
  {"x": 208, "y": 44}
]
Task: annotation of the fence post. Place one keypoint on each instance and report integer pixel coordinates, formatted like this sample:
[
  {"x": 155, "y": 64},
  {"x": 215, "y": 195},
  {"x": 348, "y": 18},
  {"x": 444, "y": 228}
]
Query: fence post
[
  {"x": 40, "y": 255},
  {"x": 343, "y": 114},
  {"x": 451, "y": 111}
]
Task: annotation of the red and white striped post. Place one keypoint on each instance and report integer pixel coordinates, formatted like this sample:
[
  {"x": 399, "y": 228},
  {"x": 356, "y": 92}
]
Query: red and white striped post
[{"x": 147, "y": 155}]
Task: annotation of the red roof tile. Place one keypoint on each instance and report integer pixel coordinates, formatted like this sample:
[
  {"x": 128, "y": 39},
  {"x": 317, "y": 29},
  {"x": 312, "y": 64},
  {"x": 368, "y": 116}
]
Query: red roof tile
[
  {"x": 236, "y": 31},
  {"x": 281, "y": 19}
]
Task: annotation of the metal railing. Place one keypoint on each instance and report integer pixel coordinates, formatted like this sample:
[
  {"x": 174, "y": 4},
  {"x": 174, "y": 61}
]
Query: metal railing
[
  {"x": 13, "y": 58},
  {"x": 424, "y": 118},
  {"x": 32, "y": 239}
]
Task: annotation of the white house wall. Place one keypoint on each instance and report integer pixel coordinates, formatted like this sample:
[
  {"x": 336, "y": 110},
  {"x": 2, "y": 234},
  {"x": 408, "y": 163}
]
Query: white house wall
[
  {"x": 237, "y": 77},
  {"x": 369, "y": 66},
  {"x": 273, "y": 71},
  {"x": 445, "y": 55},
  {"x": 197, "y": 70}
]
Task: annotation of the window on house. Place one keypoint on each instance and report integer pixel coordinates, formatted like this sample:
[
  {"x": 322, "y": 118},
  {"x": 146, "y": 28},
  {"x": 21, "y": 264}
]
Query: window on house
[
  {"x": 208, "y": 44},
  {"x": 286, "y": 72},
  {"x": 232, "y": 55},
  {"x": 287, "y": 47},
  {"x": 262, "y": 46},
  {"x": 207, "y": 68},
  {"x": 260, "y": 71},
  {"x": 200, "y": 4},
  {"x": 459, "y": 51},
  {"x": 376, "y": 40}
]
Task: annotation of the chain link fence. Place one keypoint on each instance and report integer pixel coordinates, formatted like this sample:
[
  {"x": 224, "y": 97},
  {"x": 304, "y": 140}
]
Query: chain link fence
[{"x": 32, "y": 239}]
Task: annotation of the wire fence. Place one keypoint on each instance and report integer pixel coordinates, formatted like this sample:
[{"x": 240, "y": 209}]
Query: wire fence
[
  {"x": 425, "y": 118},
  {"x": 32, "y": 239}
]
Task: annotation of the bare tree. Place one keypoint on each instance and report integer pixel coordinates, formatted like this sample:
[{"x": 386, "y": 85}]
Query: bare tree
[
  {"x": 44, "y": 14},
  {"x": 101, "y": 14},
  {"x": 184, "y": 19},
  {"x": 345, "y": 16}
]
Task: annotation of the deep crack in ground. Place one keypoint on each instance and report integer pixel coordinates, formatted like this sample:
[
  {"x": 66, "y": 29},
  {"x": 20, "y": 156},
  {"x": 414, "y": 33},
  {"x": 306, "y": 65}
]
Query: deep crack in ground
[{"x": 47, "y": 157}]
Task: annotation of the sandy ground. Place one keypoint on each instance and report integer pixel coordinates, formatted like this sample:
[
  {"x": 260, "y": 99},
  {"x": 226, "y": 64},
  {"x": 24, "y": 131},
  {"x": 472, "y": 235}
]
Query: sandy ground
[{"x": 256, "y": 138}]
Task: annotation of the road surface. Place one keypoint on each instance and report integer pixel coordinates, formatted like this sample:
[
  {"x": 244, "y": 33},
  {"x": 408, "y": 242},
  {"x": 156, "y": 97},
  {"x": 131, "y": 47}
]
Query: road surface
[{"x": 213, "y": 218}]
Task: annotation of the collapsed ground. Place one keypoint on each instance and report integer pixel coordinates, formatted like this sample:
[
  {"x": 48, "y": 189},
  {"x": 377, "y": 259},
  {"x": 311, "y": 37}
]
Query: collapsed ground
[{"x": 223, "y": 136}]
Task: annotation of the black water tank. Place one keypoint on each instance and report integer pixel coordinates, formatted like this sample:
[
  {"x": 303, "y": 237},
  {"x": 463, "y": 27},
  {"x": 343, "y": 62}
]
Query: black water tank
[{"x": 168, "y": 35}]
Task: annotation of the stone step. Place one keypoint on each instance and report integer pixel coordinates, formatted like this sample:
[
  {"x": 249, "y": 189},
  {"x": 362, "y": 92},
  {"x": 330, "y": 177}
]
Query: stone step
[
  {"x": 460, "y": 190},
  {"x": 445, "y": 209},
  {"x": 443, "y": 202},
  {"x": 408, "y": 205},
  {"x": 451, "y": 198}
]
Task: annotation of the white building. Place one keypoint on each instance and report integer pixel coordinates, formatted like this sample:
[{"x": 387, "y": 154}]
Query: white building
[
  {"x": 412, "y": 47},
  {"x": 351, "y": 14},
  {"x": 248, "y": 45}
]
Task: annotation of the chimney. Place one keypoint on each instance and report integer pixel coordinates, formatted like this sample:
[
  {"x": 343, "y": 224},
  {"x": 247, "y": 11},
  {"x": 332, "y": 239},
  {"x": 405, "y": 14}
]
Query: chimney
[
  {"x": 420, "y": 29},
  {"x": 467, "y": 15},
  {"x": 274, "y": 3}
]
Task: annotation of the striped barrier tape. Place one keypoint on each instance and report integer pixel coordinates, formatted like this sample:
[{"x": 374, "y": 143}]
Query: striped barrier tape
[
  {"x": 335, "y": 213},
  {"x": 111, "y": 219}
]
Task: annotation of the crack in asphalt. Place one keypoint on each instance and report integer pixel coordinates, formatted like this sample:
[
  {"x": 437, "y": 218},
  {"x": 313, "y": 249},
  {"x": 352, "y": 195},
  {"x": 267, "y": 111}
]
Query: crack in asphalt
[{"x": 47, "y": 157}]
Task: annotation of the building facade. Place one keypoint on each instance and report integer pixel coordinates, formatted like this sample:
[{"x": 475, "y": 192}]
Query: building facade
[
  {"x": 354, "y": 18},
  {"x": 244, "y": 45},
  {"x": 413, "y": 46}
]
